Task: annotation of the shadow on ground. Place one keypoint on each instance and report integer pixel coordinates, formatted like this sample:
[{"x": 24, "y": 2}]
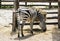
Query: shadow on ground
[
  {"x": 36, "y": 31},
  {"x": 56, "y": 34}
]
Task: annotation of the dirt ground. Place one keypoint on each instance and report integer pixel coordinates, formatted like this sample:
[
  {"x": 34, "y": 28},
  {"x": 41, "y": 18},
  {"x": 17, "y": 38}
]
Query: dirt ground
[{"x": 52, "y": 34}]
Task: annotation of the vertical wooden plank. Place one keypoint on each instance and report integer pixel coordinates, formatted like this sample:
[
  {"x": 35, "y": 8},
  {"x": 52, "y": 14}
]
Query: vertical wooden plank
[
  {"x": 0, "y": 3},
  {"x": 14, "y": 22},
  {"x": 58, "y": 13},
  {"x": 25, "y": 3},
  {"x": 50, "y": 5},
  {"x": 16, "y": 4},
  {"x": 14, "y": 19}
]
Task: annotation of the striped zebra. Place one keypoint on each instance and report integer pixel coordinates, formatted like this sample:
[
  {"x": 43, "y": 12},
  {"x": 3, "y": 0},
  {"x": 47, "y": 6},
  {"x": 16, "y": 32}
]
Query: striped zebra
[{"x": 29, "y": 14}]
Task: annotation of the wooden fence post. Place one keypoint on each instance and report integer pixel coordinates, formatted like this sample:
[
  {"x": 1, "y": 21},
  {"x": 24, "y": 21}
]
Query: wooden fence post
[
  {"x": 16, "y": 4},
  {"x": 0, "y": 3},
  {"x": 58, "y": 13},
  {"x": 50, "y": 5},
  {"x": 14, "y": 19},
  {"x": 25, "y": 3},
  {"x": 14, "y": 22}
]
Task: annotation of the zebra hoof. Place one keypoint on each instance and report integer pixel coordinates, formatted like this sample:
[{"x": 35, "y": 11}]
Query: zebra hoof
[
  {"x": 31, "y": 32},
  {"x": 22, "y": 35},
  {"x": 18, "y": 36}
]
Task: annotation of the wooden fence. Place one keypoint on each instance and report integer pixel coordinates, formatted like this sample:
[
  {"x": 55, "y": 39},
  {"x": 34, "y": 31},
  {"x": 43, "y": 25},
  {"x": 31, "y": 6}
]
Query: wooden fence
[
  {"x": 11, "y": 3},
  {"x": 26, "y": 2}
]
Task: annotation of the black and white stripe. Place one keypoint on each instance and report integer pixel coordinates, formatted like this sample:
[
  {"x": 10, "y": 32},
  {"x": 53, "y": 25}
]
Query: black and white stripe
[{"x": 23, "y": 15}]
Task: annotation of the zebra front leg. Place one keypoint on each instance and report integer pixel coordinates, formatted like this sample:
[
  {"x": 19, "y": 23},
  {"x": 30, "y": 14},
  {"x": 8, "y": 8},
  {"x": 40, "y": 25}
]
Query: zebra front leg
[
  {"x": 32, "y": 21},
  {"x": 31, "y": 25}
]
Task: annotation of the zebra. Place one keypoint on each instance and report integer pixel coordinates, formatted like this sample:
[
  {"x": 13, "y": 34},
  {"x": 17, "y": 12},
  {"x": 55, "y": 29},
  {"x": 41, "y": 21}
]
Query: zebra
[{"x": 29, "y": 14}]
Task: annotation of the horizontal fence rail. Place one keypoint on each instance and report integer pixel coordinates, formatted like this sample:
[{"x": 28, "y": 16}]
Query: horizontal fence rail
[
  {"x": 31, "y": 3},
  {"x": 33, "y": 0},
  {"x": 46, "y": 4}
]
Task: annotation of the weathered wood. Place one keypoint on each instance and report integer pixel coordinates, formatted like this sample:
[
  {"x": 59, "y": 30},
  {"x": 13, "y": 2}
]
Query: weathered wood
[
  {"x": 49, "y": 4},
  {"x": 53, "y": 23},
  {"x": 0, "y": 3},
  {"x": 16, "y": 6},
  {"x": 38, "y": 0},
  {"x": 52, "y": 12},
  {"x": 14, "y": 22},
  {"x": 32, "y": 0},
  {"x": 52, "y": 17},
  {"x": 58, "y": 13},
  {"x": 25, "y": 3}
]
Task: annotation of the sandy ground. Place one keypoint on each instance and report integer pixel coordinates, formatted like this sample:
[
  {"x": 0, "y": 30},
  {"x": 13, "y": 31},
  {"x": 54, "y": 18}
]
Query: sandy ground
[{"x": 52, "y": 34}]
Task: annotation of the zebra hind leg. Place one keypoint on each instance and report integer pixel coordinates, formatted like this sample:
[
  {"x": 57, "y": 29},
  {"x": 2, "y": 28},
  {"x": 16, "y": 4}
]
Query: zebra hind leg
[
  {"x": 18, "y": 31},
  {"x": 22, "y": 28},
  {"x": 31, "y": 25},
  {"x": 22, "y": 31}
]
